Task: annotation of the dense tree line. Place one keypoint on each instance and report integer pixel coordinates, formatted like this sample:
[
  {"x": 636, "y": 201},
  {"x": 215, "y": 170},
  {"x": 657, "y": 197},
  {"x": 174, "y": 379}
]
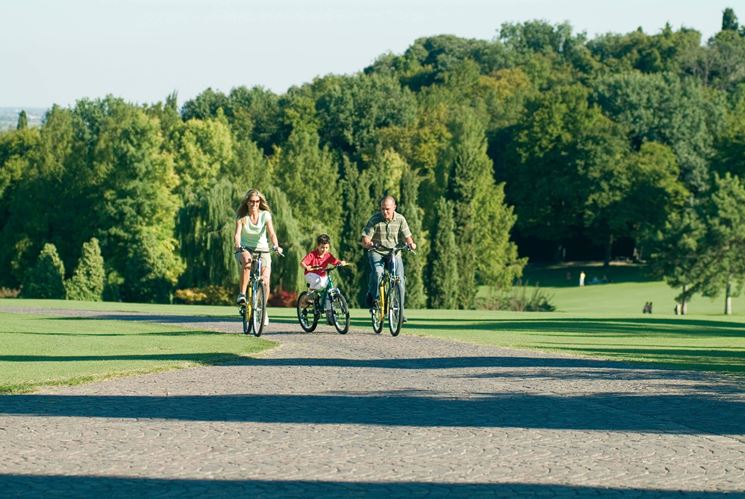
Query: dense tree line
[{"x": 534, "y": 140}]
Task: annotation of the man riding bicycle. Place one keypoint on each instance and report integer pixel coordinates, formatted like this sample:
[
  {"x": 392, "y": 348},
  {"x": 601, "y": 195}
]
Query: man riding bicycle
[{"x": 385, "y": 228}]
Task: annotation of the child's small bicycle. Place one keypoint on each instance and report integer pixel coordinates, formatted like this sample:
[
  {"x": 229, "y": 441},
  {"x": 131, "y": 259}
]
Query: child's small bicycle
[{"x": 329, "y": 300}]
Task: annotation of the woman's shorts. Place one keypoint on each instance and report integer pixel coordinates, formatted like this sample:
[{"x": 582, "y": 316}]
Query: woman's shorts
[{"x": 266, "y": 260}]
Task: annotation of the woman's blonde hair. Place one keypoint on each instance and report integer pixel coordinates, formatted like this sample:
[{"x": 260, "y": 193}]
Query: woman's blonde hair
[{"x": 242, "y": 210}]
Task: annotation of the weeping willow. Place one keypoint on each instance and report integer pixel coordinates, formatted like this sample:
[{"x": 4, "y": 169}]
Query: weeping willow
[{"x": 205, "y": 230}]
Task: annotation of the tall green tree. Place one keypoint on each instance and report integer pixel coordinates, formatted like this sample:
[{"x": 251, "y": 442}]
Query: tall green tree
[
  {"x": 416, "y": 294},
  {"x": 139, "y": 205},
  {"x": 357, "y": 207},
  {"x": 87, "y": 282},
  {"x": 46, "y": 278},
  {"x": 308, "y": 175},
  {"x": 444, "y": 265},
  {"x": 22, "y": 121},
  {"x": 205, "y": 229}
]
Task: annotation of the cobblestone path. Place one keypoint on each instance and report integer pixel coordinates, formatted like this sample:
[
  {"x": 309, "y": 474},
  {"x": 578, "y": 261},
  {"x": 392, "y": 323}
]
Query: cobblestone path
[{"x": 324, "y": 415}]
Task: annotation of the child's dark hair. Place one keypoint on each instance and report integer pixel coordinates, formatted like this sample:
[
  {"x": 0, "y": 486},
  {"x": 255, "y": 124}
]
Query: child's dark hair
[{"x": 323, "y": 239}]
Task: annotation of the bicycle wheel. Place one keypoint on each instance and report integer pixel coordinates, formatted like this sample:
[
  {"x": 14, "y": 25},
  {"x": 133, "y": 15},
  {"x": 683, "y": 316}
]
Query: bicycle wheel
[
  {"x": 307, "y": 315},
  {"x": 259, "y": 308},
  {"x": 246, "y": 321},
  {"x": 395, "y": 309},
  {"x": 378, "y": 310},
  {"x": 339, "y": 312}
]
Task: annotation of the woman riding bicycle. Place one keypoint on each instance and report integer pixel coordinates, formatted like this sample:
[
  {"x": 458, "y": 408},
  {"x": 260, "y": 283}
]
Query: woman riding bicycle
[
  {"x": 385, "y": 228},
  {"x": 253, "y": 222}
]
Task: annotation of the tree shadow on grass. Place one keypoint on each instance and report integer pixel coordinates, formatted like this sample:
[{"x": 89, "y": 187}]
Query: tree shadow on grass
[
  {"x": 196, "y": 357},
  {"x": 631, "y": 326},
  {"x": 125, "y": 487}
]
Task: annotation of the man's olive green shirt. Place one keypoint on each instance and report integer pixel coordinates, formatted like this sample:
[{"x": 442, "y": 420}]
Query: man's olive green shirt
[{"x": 384, "y": 233}]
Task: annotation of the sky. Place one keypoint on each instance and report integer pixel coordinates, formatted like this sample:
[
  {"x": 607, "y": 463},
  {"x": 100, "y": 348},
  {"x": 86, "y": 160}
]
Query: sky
[{"x": 58, "y": 51}]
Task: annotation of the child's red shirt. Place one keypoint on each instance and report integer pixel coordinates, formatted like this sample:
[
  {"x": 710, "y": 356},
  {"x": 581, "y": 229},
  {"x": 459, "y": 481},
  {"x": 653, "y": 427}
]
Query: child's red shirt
[{"x": 313, "y": 259}]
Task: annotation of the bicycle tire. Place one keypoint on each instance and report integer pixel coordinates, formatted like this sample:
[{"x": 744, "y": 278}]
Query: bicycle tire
[
  {"x": 259, "y": 308},
  {"x": 378, "y": 310},
  {"x": 246, "y": 322},
  {"x": 395, "y": 309},
  {"x": 303, "y": 312},
  {"x": 339, "y": 312}
]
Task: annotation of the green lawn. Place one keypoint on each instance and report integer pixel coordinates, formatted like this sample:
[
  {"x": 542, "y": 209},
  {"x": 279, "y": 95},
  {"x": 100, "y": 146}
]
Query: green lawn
[
  {"x": 599, "y": 321},
  {"x": 41, "y": 350},
  {"x": 691, "y": 342}
]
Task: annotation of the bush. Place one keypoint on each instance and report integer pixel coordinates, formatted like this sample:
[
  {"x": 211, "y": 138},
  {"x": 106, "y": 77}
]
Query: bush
[
  {"x": 209, "y": 295},
  {"x": 46, "y": 278},
  {"x": 520, "y": 298},
  {"x": 9, "y": 293},
  {"x": 282, "y": 298},
  {"x": 87, "y": 283}
]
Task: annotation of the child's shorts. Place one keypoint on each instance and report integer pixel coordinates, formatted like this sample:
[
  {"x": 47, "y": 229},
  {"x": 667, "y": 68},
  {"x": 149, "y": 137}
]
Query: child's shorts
[{"x": 316, "y": 281}]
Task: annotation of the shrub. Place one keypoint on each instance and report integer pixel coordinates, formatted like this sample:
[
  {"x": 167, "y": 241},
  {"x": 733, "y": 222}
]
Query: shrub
[
  {"x": 9, "y": 293},
  {"x": 46, "y": 278},
  {"x": 519, "y": 298},
  {"x": 208, "y": 295},
  {"x": 282, "y": 298},
  {"x": 87, "y": 282}
]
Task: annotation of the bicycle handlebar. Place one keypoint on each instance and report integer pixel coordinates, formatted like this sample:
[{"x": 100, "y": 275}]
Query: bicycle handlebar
[
  {"x": 390, "y": 251},
  {"x": 327, "y": 269}
]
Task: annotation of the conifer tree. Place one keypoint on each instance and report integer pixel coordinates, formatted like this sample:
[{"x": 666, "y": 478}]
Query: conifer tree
[
  {"x": 444, "y": 267},
  {"x": 46, "y": 278},
  {"x": 416, "y": 296},
  {"x": 22, "y": 121},
  {"x": 87, "y": 282},
  {"x": 358, "y": 206}
]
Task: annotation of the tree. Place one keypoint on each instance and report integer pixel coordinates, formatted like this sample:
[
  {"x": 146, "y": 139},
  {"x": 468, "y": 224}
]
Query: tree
[
  {"x": 286, "y": 270},
  {"x": 729, "y": 20},
  {"x": 22, "y": 121},
  {"x": 702, "y": 250},
  {"x": 87, "y": 282},
  {"x": 46, "y": 278},
  {"x": 308, "y": 175},
  {"x": 416, "y": 295},
  {"x": 723, "y": 265},
  {"x": 444, "y": 265},
  {"x": 670, "y": 110},
  {"x": 205, "y": 229},
  {"x": 138, "y": 206},
  {"x": 357, "y": 206}
]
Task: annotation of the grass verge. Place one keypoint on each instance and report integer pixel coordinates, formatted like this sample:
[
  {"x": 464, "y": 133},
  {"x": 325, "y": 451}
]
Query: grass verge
[{"x": 41, "y": 350}]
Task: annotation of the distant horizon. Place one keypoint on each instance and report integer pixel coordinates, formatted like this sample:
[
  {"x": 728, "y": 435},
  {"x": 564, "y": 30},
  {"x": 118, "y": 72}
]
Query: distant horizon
[{"x": 144, "y": 50}]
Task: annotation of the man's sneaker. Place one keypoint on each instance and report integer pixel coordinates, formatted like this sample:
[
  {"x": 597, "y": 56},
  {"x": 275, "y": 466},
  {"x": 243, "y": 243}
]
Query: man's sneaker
[
  {"x": 373, "y": 306},
  {"x": 241, "y": 299},
  {"x": 266, "y": 318},
  {"x": 404, "y": 320}
]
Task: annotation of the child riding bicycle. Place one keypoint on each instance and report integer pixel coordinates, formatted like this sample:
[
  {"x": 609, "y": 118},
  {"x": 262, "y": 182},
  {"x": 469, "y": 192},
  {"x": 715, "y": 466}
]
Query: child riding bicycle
[{"x": 315, "y": 263}]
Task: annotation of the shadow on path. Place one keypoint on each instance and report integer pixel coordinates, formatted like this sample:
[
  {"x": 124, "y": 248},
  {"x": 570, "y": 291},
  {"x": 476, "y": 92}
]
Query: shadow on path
[
  {"x": 89, "y": 486},
  {"x": 609, "y": 412}
]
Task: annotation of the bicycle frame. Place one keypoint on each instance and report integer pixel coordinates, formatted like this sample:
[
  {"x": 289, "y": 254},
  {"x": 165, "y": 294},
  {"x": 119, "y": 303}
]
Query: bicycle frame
[
  {"x": 325, "y": 300},
  {"x": 247, "y": 311},
  {"x": 388, "y": 281}
]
